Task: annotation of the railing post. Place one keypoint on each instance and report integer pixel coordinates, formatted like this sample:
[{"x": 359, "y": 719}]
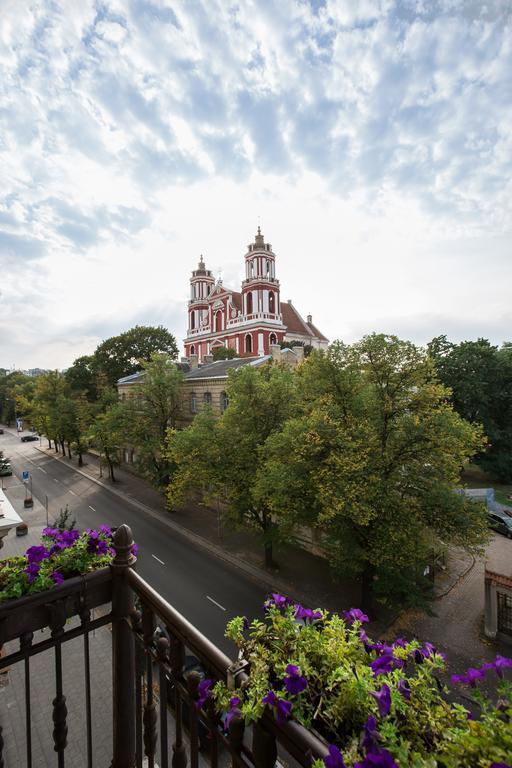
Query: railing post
[{"x": 123, "y": 653}]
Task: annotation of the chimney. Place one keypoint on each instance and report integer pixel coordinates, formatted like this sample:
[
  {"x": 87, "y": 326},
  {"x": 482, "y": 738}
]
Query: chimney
[
  {"x": 207, "y": 359},
  {"x": 275, "y": 351},
  {"x": 289, "y": 301},
  {"x": 193, "y": 360},
  {"x": 299, "y": 352},
  {"x": 310, "y": 318}
]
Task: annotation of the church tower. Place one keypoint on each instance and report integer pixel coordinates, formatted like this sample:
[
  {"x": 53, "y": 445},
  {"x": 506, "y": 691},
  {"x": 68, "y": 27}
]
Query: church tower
[
  {"x": 201, "y": 283},
  {"x": 260, "y": 289}
]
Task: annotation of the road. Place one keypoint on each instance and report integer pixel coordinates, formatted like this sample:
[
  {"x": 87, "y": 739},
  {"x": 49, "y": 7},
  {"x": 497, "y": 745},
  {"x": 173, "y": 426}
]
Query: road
[{"x": 206, "y": 590}]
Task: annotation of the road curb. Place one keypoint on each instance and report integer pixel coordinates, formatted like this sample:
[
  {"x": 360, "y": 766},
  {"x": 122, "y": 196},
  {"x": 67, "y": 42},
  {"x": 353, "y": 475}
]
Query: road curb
[{"x": 256, "y": 574}]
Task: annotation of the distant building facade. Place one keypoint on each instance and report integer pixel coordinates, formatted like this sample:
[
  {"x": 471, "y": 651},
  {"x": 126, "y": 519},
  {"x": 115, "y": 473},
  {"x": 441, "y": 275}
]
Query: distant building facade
[{"x": 250, "y": 321}]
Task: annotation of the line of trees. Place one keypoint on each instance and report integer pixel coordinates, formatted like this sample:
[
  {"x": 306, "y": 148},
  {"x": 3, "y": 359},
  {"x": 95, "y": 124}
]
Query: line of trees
[{"x": 361, "y": 444}]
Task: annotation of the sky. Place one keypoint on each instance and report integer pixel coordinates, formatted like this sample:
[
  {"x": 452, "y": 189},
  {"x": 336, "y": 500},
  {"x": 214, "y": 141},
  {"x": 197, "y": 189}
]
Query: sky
[{"x": 371, "y": 140}]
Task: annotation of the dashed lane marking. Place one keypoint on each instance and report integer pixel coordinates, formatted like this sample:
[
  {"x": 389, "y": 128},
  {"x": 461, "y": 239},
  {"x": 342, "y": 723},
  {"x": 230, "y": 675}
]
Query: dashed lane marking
[
  {"x": 158, "y": 560},
  {"x": 215, "y": 603},
  {"x": 92, "y": 508},
  {"x": 42, "y": 470},
  {"x": 72, "y": 492}
]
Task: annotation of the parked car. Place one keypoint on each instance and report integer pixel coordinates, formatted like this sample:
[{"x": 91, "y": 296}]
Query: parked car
[
  {"x": 5, "y": 469},
  {"x": 29, "y": 438},
  {"x": 1, "y": 431},
  {"x": 501, "y": 522}
]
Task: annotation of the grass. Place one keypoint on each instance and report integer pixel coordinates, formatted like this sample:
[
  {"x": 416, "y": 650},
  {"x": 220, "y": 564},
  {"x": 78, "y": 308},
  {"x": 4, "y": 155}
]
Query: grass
[{"x": 474, "y": 477}]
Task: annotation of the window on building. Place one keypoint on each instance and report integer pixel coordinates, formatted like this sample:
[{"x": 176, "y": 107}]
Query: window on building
[
  {"x": 268, "y": 268},
  {"x": 192, "y": 350},
  {"x": 249, "y": 303},
  {"x": 224, "y": 401},
  {"x": 248, "y": 343},
  {"x": 207, "y": 399},
  {"x": 192, "y": 320},
  {"x": 271, "y": 303},
  {"x": 272, "y": 339},
  {"x": 193, "y": 403},
  {"x": 218, "y": 321}
]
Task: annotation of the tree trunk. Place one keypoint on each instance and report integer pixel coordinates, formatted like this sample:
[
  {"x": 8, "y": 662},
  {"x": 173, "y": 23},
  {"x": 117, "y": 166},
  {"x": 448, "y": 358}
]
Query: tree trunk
[
  {"x": 80, "y": 460},
  {"x": 110, "y": 467},
  {"x": 367, "y": 589},
  {"x": 267, "y": 525},
  {"x": 69, "y": 451},
  {"x": 49, "y": 443},
  {"x": 56, "y": 445},
  {"x": 63, "y": 446},
  {"x": 269, "y": 562}
]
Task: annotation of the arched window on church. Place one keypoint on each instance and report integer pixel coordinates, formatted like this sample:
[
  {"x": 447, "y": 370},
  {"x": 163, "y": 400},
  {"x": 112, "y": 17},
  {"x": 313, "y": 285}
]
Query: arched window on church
[
  {"x": 192, "y": 320},
  {"x": 207, "y": 399},
  {"x": 248, "y": 343},
  {"x": 249, "y": 303},
  {"x": 272, "y": 339},
  {"x": 272, "y": 303},
  {"x": 218, "y": 321},
  {"x": 192, "y": 350}
]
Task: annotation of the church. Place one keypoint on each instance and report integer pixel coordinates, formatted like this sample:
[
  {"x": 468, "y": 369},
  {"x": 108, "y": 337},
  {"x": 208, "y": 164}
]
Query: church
[{"x": 251, "y": 320}]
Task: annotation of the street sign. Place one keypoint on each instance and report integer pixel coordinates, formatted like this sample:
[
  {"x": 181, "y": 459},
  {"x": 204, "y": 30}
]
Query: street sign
[{"x": 25, "y": 475}]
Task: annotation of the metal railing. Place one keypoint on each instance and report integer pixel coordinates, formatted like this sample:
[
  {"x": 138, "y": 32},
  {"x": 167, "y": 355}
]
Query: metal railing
[{"x": 156, "y": 717}]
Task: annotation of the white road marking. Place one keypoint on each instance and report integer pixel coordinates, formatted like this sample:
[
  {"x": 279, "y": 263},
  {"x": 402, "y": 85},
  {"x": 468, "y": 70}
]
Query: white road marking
[
  {"x": 215, "y": 603},
  {"x": 55, "y": 480},
  {"x": 42, "y": 470},
  {"x": 92, "y": 508},
  {"x": 70, "y": 491},
  {"x": 158, "y": 560}
]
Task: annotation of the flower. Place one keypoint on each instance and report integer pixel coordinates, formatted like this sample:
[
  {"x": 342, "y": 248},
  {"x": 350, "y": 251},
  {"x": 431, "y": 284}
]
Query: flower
[
  {"x": 234, "y": 711},
  {"x": 32, "y": 571},
  {"x": 135, "y": 549},
  {"x": 500, "y": 765},
  {"x": 294, "y": 683},
  {"x": 307, "y": 614},
  {"x": 380, "y": 759},
  {"x": 428, "y": 650},
  {"x": 36, "y": 554},
  {"x": 370, "y": 734},
  {"x": 470, "y": 678},
  {"x": 279, "y": 601},
  {"x": 106, "y": 530},
  {"x": 404, "y": 688},
  {"x": 57, "y": 577},
  {"x": 383, "y": 699},
  {"x": 95, "y": 545},
  {"x": 203, "y": 690},
  {"x": 384, "y": 664},
  {"x": 499, "y": 664},
  {"x": 334, "y": 759},
  {"x": 400, "y": 643},
  {"x": 354, "y": 614},
  {"x": 50, "y": 532},
  {"x": 283, "y": 708}
]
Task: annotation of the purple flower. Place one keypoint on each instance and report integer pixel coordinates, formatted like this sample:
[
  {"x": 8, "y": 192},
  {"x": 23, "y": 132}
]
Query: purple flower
[
  {"x": 32, "y": 571},
  {"x": 106, "y": 530},
  {"x": 50, "y": 532},
  {"x": 380, "y": 759},
  {"x": 500, "y": 663},
  {"x": 500, "y": 765},
  {"x": 135, "y": 549},
  {"x": 307, "y": 614},
  {"x": 404, "y": 688},
  {"x": 203, "y": 690},
  {"x": 400, "y": 643},
  {"x": 371, "y": 736},
  {"x": 95, "y": 545},
  {"x": 334, "y": 759},
  {"x": 384, "y": 664},
  {"x": 57, "y": 577},
  {"x": 383, "y": 699},
  {"x": 36, "y": 554},
  {"x": 234, "y": 711},
  {"x": 428, "y": 650},
  {"x": 245, "y": 623},
  {"x": 280, "y": 601},
  {"x": 354, "y": 614},
  {"x": 470, "y": 678},
  {"x": 382, "y": 648},
  {"x": 283, "y": 708},
  {"x": 294, "y": 683}
]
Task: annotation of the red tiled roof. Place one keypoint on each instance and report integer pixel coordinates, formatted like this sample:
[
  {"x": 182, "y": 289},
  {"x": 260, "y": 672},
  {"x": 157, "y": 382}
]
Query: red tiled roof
[
  {"x": 236, "y": 299},
  {"x": 317, "y": 333},
  {"x": 295, "y": 324}
]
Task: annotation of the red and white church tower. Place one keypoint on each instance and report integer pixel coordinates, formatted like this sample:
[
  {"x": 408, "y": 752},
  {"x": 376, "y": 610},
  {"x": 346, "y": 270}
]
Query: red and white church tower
[{"x": 250, "y": 321}]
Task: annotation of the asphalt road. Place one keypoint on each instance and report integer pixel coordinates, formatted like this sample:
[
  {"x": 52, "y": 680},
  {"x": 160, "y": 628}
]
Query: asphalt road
[{"x": 206, "y": 590}]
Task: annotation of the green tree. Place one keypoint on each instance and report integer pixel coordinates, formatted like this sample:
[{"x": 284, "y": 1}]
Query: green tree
[
  {"x": 224, "y": 353},
  {"x": 107, "y": 432},
  {"x": 150, "y": 412},
  {"x": 371, "y": 460},
  {"x": 16, "y": 393},
  {"x": 82, "y": 377},
  {"x": 224, "y": 453},
  {"x": 123, "y": 355},
  {"x": 479, "y": 376}
]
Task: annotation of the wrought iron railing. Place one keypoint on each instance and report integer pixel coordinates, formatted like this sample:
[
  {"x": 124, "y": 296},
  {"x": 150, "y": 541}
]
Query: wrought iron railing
[{"x": 156, "y": 721}]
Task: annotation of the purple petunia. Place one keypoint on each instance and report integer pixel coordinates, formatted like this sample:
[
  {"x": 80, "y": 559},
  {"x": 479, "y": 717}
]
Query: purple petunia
[
  {"x": 36, "y": 554},
  {"x": 203, "y": 690},
  {"x": 404, "y": 689},
  {"x": 95, "y": 545},
  {"x": 295, "y": 683},
  {"x": 499, "y": 664},
  {"x": 234, "y": 711},
  {"x": 106, "y": 530},
  {"x": 51, "y": 533},
  {"x": 400, "y": 643},
  {"x": 371, "y": 736},
  {"x": 282, "y": 707},
  {"x": 428, "y": 650},
  {"x": 470, "y": 678},
  {"x": 500, "y": 765},
  {"x": 334, "y": 759},
  {"x": 57, "y": 577},
  {"x": 380, "y": 759},
  {"x": 384, "y": 664},
  {"x": 383, "y": 699},
  {"x": 307, "y": 615},
  {"x": 135, "y": 549},
  {"x": 355, "y": 614},
  {"x": 32, "y": 571}
]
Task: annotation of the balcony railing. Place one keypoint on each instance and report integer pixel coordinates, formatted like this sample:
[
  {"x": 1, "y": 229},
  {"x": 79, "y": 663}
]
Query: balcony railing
[{"x": 151, "y": 687}]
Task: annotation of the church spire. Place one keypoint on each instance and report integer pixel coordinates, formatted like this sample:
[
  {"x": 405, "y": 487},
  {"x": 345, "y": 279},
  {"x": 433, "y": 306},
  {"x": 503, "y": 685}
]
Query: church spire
[{"x": 259, "y": 239}]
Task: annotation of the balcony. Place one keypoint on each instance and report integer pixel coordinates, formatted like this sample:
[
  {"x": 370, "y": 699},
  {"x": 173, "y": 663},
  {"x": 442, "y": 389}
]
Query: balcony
[{"x": 154, "y": 718}]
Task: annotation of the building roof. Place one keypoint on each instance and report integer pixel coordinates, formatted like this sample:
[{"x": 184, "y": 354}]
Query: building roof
[
  {"x": 220, "y": 368},
  {"x": 295, "y": 324},
  {"x": 134, "y": 378},
  {"x": 237, "y": 299}
]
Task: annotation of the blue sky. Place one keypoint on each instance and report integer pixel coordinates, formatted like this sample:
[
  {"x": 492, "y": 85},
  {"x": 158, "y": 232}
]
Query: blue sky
[{"x": 371, "y": 140}]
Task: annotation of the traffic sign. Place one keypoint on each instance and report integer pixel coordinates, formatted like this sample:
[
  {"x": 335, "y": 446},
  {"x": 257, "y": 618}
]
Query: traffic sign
[{"x": 25, "y": 475}]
